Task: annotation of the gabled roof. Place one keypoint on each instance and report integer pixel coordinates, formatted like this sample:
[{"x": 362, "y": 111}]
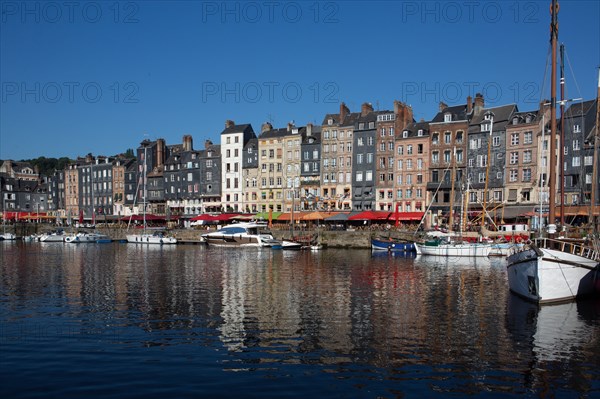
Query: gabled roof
[{"x": 238, "y": 129}]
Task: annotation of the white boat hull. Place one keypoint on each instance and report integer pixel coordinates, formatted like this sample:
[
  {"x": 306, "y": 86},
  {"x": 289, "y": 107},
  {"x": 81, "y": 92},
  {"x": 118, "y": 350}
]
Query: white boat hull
[
  {"x": 548, "y": 275},
  {"x": 7, "y": 237},
  {"x": 460, "y": 250},
  {"x": 85, "y": 238},
  {"x": 52, "y": 238},
  {"x": 150, "y": 239}
]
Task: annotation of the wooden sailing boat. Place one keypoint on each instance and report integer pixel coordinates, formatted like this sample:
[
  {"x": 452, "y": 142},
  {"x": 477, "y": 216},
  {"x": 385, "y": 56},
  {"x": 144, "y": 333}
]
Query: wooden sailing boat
[{"x": 551, "y": 269}]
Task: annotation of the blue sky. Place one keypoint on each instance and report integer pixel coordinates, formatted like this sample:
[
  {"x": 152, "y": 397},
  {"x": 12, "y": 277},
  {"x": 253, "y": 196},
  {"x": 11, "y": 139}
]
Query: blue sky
[{"x": 100, "y": 76}]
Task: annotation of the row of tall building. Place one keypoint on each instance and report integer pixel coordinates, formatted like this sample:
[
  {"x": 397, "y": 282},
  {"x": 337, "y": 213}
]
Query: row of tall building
[{"x": 364, "y": 160}]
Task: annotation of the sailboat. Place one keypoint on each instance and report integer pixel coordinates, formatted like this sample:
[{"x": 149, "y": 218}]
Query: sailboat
[
  {"x": 551, "y": 270},
  {"x": 454, "y": 246},
  {"x": 157, "y": 237},
  {"x": 5, "y": 235}
]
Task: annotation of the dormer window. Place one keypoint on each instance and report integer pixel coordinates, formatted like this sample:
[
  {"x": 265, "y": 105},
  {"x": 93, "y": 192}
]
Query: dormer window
[
  {"x": 447, "y": 117},
  {"x": 330, "y": 121},
  {"x": 420, "y": 132},
  {"x": 371, "y": 125},
  {"x": 485, "y": 127},
  {"x": 405, "y": 134},
  {"x": 361, "y": 126},
  {"x": 514, "y": 121},
  {"x": 528, "y": 119},
  {"x": 488, "y": 116}
]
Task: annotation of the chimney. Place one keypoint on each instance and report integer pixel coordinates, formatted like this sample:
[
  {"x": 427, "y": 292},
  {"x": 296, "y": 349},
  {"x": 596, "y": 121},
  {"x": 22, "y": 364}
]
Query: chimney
[
  {"x": 442, "y": 106},
  {"x": 309, "y": 127},
  {"x": 89, "y": 158},
  {"x": 479, "y": 103},
  {"x": 344, "y": 111},
  {"x": 469, "y": 104},
  {"x": 365, "y": 109},
  {"x": 9, "y": 168},
  {"x": 290, "y": 125},
  {"x": 404, "y": 115},
  {"x": 187, "y": 143},
  {"x": 266, "y": 127},
  {"x": 160, "y": 152},
  {"x": 229, "y": 123},
  {"x": 207, "y": 143}
]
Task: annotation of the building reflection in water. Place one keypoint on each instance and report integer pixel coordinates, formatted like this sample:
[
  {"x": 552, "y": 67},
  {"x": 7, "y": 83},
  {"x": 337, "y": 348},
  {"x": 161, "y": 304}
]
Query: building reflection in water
[{"x": 339, "y": 309}]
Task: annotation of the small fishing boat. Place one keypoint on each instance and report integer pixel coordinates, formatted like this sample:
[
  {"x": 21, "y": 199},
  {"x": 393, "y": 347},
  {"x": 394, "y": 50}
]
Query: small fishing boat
[{"x": 392, "y": 244}]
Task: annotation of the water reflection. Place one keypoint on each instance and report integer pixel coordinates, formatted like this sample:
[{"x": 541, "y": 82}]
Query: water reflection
[{"x": 345, "y": 315}]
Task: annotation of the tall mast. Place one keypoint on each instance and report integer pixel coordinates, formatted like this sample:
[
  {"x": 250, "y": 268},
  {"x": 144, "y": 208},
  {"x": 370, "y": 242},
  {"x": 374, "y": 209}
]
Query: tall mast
[
  {"x": 144, "y": 181},
  {"x": 595, "y": 154},
  {"x": 452, "y": 178},
  {"x": 561, "y": 153},
  {"x": 552, "y": 171}
]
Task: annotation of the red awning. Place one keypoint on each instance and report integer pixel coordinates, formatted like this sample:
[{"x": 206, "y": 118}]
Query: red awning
[
  {"x": 204, "y": 217},
  {"x": 407, "y": 216},
  {"x": 371, "y": 215}
]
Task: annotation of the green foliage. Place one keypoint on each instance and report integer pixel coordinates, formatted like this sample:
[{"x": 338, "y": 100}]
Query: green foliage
[{"x": 47, "y": 166}]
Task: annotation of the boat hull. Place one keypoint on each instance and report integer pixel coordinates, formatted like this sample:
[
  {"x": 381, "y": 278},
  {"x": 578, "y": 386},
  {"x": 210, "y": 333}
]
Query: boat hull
[
  {"x": 460, "y": 250},
  {"x": 85, "y": 238},
  {"x": 548, "y": 275},
  {"x": 394, "y": 246},
  {"x": 52, "y": 238},
  {"x": 150, "y": 239}
]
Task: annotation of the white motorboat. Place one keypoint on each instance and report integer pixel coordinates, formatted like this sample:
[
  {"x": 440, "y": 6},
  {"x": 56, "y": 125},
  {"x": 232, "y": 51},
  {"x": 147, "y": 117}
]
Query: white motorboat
[
  {"x": 158, "y": 237},
  {"x": 82, "y": 238},
  {"x": 553, "y": 270},
  {"x": 245, "y": 234},
  {"x": 7, "y": 237},
  {"x": 54, "y": 236}
]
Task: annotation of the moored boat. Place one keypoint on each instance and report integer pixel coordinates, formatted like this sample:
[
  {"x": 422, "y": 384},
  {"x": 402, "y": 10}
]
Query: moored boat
[
  {"x": 390, "y": 244},
  {"x": 7, "y": 237},
  {"x": 84, "y": 238},
  {"x": 450, "y": 248},
  {"x": 245, "y": 234},
  {"x": 54, "y": 236},
  {"x": 553, "y": 270},
  {"x": 158, "y": 237}
]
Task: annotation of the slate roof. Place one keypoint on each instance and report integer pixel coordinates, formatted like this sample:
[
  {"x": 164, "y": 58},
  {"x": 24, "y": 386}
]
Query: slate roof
[
  {"x": 414, "y": 128},
  {"x": 275, "y": 133},
  {"x": 579, "y": 109},
  {"x": 459, "y": 113},
  {"x": 238, "y": 129},
  {"x": 502, "y": 114},
  {"x": 349, "y": 120}
]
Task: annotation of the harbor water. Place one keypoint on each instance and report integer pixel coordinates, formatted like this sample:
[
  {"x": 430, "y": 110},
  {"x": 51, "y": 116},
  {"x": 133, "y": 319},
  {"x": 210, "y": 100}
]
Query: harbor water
[{"x": 128, "y": 321}]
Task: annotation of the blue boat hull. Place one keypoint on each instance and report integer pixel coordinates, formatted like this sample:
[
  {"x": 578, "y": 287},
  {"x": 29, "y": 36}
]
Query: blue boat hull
[{"x": 390, "y": 245}]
